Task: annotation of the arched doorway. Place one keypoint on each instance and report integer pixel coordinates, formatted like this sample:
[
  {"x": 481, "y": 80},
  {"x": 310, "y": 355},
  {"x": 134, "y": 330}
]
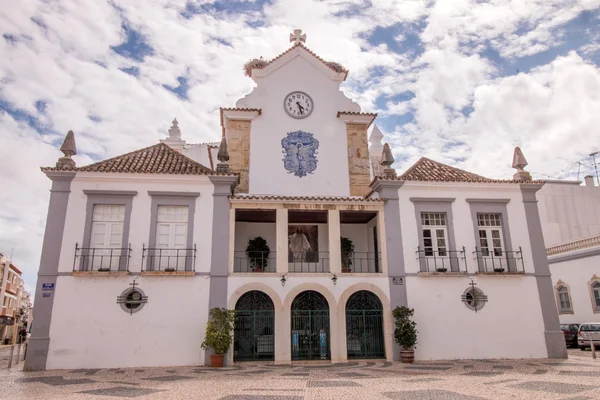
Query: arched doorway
[
  {"x": 253, "y": 333},
  {"x": 364, "y": 326},
  {"x": 310, "y": 327}
]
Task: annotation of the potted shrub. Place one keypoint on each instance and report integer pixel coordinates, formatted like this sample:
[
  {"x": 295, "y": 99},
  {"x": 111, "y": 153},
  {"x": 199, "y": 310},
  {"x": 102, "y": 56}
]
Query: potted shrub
[
  {"x": 405, "y": 333},
  {"x": 347, "y": 254},
  {"x": 258, "y": 253},
  {"x": 218, "y": 334}
]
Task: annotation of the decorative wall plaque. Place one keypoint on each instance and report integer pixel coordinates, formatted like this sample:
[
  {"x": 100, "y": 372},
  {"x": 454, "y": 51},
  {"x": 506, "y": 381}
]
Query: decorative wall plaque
[{"x": 300, "y": 153}]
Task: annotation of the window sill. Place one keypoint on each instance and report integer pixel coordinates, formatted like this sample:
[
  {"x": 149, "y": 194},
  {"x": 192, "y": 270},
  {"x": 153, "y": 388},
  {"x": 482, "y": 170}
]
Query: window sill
[
  {"x": 505, "y": 273},
  {"x": 168, "y": 273},
  {"x": 566, "y": 313},
  {"x": 447, "y": 273},
  {"x": 100, "y": 273}
]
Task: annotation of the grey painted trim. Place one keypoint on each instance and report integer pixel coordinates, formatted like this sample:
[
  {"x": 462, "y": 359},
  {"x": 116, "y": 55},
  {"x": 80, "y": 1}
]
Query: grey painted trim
[
  {"x": 555, "y": 343},
  {"x": 394, "y": 245},
  {"x": 175, "y": 194},
  {"x": 432, "y": 199},
  {"x": 437, "y": 207},
  {"x": 584, "y": 253},
  {"x": 499, "y": 274},
  {"x": 497, "y": 208},
  {"x": 110, "y": 197},
  {"x": 219, "y": 256},
  {"x": 172, "y": 200},
  {"x": 501, "y": 201},
  {"x": 37, "y": 353}
]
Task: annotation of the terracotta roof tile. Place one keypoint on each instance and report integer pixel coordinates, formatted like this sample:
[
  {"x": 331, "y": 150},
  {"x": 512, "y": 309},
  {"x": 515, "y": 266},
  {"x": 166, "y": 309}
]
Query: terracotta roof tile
[
  {"x": 307, "y": 198},
  {"x": 156, "y": 159}
]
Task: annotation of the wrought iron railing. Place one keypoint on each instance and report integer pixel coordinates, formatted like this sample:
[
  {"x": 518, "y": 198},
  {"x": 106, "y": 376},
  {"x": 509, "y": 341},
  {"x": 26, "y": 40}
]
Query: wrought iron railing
[
  {"x": 168, "y": 259},
  {"x": 254, "y": 261},
  {"x": 361, "y": 262},
  {"x": 431, "y": 260},
  {"x": 309, "y": 261},
  {"x": 499, "y": 261},
  {"x": 101, "y": 259}
]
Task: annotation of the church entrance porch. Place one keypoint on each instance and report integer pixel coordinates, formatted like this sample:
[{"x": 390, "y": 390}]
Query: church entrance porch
[
  {"x": 310, "y": 338},
  {"x": 254, "y": 328}
]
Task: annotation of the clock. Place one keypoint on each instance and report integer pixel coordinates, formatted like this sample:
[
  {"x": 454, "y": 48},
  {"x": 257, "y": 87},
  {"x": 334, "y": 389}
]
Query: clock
[{"x": 298, "y": 105}]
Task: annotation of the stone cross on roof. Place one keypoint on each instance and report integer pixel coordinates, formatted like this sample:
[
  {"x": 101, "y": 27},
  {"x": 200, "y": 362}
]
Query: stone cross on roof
[{"x": 297, "y": 36}]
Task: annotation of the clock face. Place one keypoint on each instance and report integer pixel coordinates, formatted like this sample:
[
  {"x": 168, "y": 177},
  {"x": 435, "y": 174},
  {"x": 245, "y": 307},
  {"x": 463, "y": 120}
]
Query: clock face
[{"x": 298, "y": 105}]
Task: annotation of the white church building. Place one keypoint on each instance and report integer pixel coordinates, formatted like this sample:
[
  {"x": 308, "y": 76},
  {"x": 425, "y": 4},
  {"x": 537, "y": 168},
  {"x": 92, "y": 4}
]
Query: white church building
[{"x": 295, "y": 222}]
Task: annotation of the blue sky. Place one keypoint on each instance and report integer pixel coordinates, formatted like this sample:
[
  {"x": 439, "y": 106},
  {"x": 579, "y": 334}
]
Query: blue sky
[{"x": 460, "y": 81}]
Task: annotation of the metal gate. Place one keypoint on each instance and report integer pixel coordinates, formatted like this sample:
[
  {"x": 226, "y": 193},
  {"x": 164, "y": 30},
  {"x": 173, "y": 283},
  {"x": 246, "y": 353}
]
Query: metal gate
[
  {"x": 254, "y": 328},
  {"x": 364, "y": 326},
  {"x": 310, "y": 327}
]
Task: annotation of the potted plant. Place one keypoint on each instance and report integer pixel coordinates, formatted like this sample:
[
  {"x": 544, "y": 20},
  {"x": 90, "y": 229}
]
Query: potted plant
[
  {"x": 218, "y": 334},
  {"x": 498, "y": 269},
  {"x": 405, "y": 333},
  {"x": 258, "y": 253},
  {"x": 347, "y": 254},
  {"x": 442, "y": 269}
]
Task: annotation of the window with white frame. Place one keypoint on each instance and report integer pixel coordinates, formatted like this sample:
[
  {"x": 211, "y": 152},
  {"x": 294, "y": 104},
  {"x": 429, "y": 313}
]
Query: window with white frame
[
  {"x": 595, "y": 288},
  {"x": 564, "y": 299},
  {"x": 435, "y": 234},
  {"x": 490, "y": 234},
  {"x": 171, "y": 237},
  {"x": 106, "y": 239}
]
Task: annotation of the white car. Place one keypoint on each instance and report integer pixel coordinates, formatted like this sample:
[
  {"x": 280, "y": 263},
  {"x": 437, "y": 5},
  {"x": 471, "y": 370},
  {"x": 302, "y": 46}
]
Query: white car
[{"x": 589, "y": 331}]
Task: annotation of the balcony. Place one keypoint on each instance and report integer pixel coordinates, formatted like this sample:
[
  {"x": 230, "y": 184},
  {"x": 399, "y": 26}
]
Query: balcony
[
  {"x": 93, "y": 259},
  {"x": 441, "y": 261},
  {"x": 308, "y": 261},
  {"x": 168, "y": 260},
  {"x": 361, "y": 262},
  {"x": 254, "y": 261},
  {"x": 498, "y": 261}
]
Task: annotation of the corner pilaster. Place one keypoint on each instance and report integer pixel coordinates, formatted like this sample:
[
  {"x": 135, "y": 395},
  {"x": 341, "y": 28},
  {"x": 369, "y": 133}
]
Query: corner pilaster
[
  {"x": 335, "y": 246},
  {"x": 281, "y": 234},
  {"x": 358, "y": 159}
]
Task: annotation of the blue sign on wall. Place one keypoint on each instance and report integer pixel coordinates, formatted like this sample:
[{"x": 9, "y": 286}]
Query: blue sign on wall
[
  {"x": 47, "y": 286},
  {"x": 300, "y": 153}
]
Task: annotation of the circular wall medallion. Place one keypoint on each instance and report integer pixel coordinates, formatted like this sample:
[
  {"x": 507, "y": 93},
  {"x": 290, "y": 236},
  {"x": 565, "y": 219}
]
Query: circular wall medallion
[
  {"x": 298, "y": 105},
  {"x": 474, "y": 298},
  {"x": 133, "y": 300}
]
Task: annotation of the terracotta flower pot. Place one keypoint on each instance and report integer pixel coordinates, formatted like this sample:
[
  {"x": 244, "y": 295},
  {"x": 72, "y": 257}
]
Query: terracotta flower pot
[
  {"x": 216, "y": 360},
  {"x": 407, "y": 356}
]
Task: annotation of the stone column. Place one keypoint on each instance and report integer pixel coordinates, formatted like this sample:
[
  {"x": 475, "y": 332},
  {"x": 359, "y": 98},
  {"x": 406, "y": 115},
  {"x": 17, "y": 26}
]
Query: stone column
[
  {"x": 555, "y": 340},
  {"x": 358, "y": 159},
  {"x": 238, "y": 138},
  {"x": 219, "y": 257},
  {"x": 37, "y": 352},
  {"x": 281, "y": 235},
  {"x": 388, "y": 189},
  {"x": 335, "y": 249}
]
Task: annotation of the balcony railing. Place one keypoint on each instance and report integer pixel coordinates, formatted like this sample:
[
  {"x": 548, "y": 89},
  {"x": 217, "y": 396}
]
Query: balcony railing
[
  {"x": 310, "y": 261},
  {"x": 254, "y": 261},
  {"x": 499, "y": 261},
  {"x": 431, "y": 260},
  {"x": 101, "y": 259},
  {"x": 168, "y": 259},
  {"x": 361, "y": 262}
]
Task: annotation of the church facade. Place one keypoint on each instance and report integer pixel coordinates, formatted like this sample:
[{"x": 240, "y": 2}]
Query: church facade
[{"x": 299, "y": 224}]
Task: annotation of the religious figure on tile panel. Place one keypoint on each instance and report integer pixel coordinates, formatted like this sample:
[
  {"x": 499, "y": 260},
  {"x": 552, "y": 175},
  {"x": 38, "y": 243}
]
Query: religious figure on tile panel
[{"x": 300, "y": 153}]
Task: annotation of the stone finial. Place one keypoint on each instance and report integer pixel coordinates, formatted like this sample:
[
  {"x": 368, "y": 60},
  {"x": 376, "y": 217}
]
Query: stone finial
[
  {"x": 387, "y": 159},
  {"x": 174, "y": 131},
  {"x": 375, "y": 139},
  {"x": 223, "y": 157},
  {"x": 69, "y": 149},
  {"x": 519, "y": 162},
  {"x": 174, "y": 139},
  {"x": 298, "y": 36}
]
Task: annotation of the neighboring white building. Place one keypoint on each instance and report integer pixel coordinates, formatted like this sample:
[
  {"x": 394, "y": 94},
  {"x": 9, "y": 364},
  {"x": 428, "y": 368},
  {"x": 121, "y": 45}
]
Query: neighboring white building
[
  {"x": 139, "y": 247},
  {"x": 570, "y": 215}
]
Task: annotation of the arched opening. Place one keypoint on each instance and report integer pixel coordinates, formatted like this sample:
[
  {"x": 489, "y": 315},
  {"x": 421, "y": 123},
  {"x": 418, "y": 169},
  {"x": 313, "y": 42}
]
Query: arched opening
[
  {"x": 253, "y": 334},
  {"x": 310, "y": 327},
  {"x": 364, "y": 326}
]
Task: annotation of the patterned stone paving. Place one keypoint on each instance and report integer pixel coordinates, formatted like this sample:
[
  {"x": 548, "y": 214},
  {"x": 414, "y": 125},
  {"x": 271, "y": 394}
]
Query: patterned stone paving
[{"x": 575, "y": 379}]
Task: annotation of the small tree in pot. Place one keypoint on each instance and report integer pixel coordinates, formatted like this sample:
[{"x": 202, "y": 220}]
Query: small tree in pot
[
  {"x": 347, "y": 254},
  {"x": 405, "y": 333},
  {"x": 258, "y": 253},
  {"x": 218, "y": 334}
]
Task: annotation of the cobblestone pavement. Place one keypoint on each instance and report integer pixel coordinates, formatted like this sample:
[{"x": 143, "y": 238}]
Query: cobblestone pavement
[{"x": 576, "y": 378}]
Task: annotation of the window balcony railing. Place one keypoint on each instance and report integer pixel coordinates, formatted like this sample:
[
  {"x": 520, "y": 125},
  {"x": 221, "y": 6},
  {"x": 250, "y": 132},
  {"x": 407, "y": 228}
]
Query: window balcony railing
[
  {"x": 254, "y": 261},
  {"x": 168, "y": 259},
  {"x": 309, "y": 261},
  {"x": 101, "y": 259},
  {"x": 431, "y": 260},
  {"x": 361, "y": 262},
  {"x": 499, "y": 261}
]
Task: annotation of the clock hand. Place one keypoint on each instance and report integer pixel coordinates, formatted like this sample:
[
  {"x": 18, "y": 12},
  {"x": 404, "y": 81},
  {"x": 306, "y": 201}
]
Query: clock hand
[{"x": 300, "y": 108}]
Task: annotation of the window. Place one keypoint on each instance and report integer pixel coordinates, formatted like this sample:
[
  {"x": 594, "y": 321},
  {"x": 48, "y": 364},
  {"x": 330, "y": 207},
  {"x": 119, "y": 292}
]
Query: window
[
  {"x": 564, "y": 299},
  {"x": 171, "y": 236},
  {"x": 434, "y": 234},
  {"x": 595, "y": 286},
  {"x": 490, "y": 234},
  {"x": 106, "y": 234}
]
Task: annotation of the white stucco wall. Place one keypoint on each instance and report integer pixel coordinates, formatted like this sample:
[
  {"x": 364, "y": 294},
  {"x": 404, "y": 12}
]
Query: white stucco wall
[
  {"x": 577, "y": 273},
  {"x": 267, "y": 130},
  {"x": 199, "y": 153}
]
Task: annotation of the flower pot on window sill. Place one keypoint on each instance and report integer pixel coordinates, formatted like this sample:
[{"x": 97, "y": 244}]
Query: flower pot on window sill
[
  {"x": 442, "y": 269},
  {"x": 103, "y": 269},
  {"x": 345, "y": 269},
  {"x": 498, "y": 269},
  {"x": 407, "y": 356},
  {"x": 258, "y": 269},
  {"x": 216, "y": 360},
  {"x": 169, "y": 269}
]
